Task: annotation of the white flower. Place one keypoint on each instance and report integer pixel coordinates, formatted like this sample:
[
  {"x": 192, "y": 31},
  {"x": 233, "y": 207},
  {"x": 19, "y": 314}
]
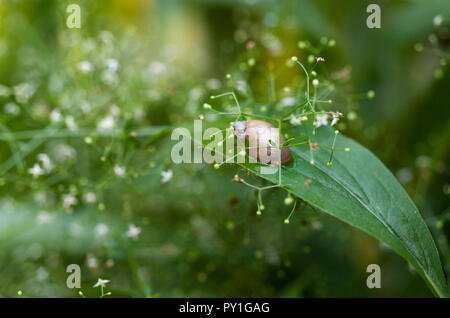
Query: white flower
[
  {"x": 119, "y": 171},
  {"x": 85, "y": 106},
  {"x": 23, "y": 92},
  {"x": 242, "y": 87},
  {"x": 112, "y": 65},
  {"x": 5, "y": 91},
  {"x": 437, "y": 21},
  {"x": 62, "y": 152},
  {"x": 12, "y": 109},
  {"x": 133, "y": 232},
  {"x": 109, "y": 77},
  {"x": 335, "y": 119},
  {"x": 43, "y": 217},
  {"x": 321, "y": 120},
  {"x": 69, "y": 200},
  {"x": 295, "y": 121},
  {"x": 55, "y": 116},
  {"x": 101, "y": 229},
  {"x": 213, "y": 84},
  {"x": 70, "y": 123},
  {"x": 36, "y": 171},
  {"x": 90, "y": 197},
  {"x": 288, "y": 101},
  {"x": 46, "y": 162},
  {"x": 114, "y": 110},
  {"x": 92, "y": 262},
  {"x": 157, "y": 68},
  {"x": 85, "y": 67},
  {"x": 166, "y": 176},
  {"x": 41, "y": 274},
  {"x": 106, "y": 124},
  {"x": 101, "y": 282}
]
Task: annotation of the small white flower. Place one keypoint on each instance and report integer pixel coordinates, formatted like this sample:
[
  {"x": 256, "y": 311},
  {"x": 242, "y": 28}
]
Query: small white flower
[
  {"x": 335, "y": 119},
  {"x": 62, "y": 152},
  {"x": 295, "y": 121},
  {"x": 112, "y": 65},
  {"x": 437, "y": 21},
  {"x": 12, "y": 109},
  {"x": 321, "y": 120},
  {"x": 288, "y": 101},
  {"x": 114, "y": 110},
  {"x": 213, "y": 84},
  {"x": 101, "y": 282},
  {"x": 85, "y": 67},
  {"x": 166, "y": 176},
  {"x": 41, "y": 274},
  {"x": 157, "y": 68},
  {"x": 315, "y": 82},
  {"x": 133, "y": 232},
  {"x": 36, "y": 171},
  {"x": 70, "y": 123},
  {"x": 109, "y": 77},
  {"x": 101, "y": 229},
  {"x": 106, "y": 124},
  {"x": 46, "y": 162},
  {"x": 242, "y": 87},
  {"x": 55, "y": 116},
  {"x": 23, "y": 92},
  {"x": 119, "y": 171},
  {"x": 85, "y": 106},
  {"x": 90, "y": 197},
  {"x": 5, "y": 91},
  {"x": 92, "y": 262},
  {"x": 43, "y": 217},
  {"x": 69, "y": 200}
]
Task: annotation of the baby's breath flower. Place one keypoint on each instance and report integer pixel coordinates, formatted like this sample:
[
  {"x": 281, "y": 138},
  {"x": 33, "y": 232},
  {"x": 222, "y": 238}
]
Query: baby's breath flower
[
  {"x": 101, "y": 229},
  {"x": 321, "y": 120},
  {"x": 85, "y": 67},
  {"x": 112, "y": 65},
  {"x": 101, "y": 283},
  {"x": 69, "y": 201},
  {"x": 133, "y": 232},
  {"x": 437, "y": 21},
  {"x": 166, "y": 176},
  {"x": 106, "y": 124},
  {"x": 70, "y": 123},
  {"x": 288, "y": 101},
  {"x": 55, "y": 116},
  {"x": 43, "y": 217},
  {"x": 119, "y": 171},
  {"x": 157, "y": 68},
  {"x": 46, "y": 162},
  {"x": 90, "y": 197},
  {"x": 36, "y": 171},
  {"x": 12, "y": 109},
  {"x": 295, "y": 120}
]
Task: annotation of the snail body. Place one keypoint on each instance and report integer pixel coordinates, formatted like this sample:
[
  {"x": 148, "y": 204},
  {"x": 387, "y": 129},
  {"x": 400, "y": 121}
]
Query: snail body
[{"x": 262, "y": 138}]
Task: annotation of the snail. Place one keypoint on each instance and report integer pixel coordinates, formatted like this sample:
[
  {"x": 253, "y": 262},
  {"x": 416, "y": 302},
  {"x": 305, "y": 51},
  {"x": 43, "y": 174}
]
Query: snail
[{"x": 262, "y": 138}]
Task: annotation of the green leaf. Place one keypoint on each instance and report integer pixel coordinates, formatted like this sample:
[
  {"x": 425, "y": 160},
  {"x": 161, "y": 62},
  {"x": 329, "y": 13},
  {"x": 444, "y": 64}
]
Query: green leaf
[{"x": 359, "y": 190}]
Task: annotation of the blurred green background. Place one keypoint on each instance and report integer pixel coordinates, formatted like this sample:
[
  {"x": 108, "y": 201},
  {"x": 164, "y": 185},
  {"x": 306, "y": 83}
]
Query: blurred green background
[{"x": 93, "y": 108}]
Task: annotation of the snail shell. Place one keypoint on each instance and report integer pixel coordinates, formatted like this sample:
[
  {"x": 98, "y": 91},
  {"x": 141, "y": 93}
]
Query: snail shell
[{"x": 261, "y": 136}]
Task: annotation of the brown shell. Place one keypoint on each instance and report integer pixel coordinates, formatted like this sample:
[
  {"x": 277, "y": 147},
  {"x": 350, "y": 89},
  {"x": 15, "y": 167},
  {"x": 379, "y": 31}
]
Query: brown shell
[{"x": 262, "y": 132}]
